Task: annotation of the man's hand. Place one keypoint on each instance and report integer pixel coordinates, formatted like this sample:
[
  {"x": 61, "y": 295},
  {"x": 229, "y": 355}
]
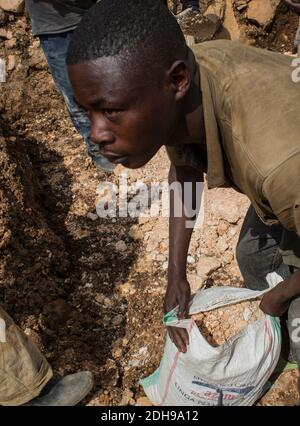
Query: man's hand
[
  {"x": 276, "y": 302},
  {"x": 178, "y": 293},
  {"x": 294, "y": 5},
  {"x": 273, "y": 303}
]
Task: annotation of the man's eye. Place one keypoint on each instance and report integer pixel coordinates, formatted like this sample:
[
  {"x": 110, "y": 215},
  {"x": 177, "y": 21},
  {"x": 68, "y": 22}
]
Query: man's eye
[{"x": 110, "y": 112}]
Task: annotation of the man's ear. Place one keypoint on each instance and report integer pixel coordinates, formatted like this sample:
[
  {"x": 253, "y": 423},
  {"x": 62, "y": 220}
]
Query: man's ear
[{"x": 179, "y": 79}]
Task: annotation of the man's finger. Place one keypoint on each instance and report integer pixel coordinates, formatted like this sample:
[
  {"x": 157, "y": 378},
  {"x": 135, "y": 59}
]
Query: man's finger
[
  {"x": 179, "y": 337},
  {"x": 174, "y": 338},
  {"x": 183, "y": 311},
  {"x": 179, "y": 343},
  {"x": 184, "y": 335}
]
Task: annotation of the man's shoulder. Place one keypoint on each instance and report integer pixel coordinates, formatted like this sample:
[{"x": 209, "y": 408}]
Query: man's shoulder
[
  {"x": 217, "y": 48},
  {"x": 234, "y": 52}
]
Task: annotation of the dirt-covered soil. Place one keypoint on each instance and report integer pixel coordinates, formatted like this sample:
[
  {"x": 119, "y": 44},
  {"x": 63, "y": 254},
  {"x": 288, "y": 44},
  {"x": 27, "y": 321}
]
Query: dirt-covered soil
[
  {"x": 89, "y": 291},
  {"x": 219, "y": 325}
]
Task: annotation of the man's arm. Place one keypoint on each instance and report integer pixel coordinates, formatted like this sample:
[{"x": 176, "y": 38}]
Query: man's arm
[
  {"x": 276, "y": 302},
  {"x": 281, "y": 190},
  {"x": 180, "y": 231}
]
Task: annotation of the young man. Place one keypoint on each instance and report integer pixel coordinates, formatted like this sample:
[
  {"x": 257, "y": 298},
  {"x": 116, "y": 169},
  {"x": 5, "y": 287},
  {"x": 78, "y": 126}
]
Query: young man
[
  {"x": 227, "y": 110},
  {"x": 54, "y": 21}
]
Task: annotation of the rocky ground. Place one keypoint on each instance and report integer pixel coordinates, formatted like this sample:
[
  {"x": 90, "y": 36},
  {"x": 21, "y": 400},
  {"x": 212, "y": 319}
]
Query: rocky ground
[
  {"x": 219, "y": 325},
  {"x": 89, "y": 290}
]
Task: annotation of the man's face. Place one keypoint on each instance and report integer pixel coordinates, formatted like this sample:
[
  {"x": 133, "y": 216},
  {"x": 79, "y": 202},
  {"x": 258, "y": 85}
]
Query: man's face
[{"x": 131, "y": 116}]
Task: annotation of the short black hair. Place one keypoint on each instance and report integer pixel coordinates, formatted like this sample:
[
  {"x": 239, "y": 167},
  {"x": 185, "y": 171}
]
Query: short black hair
[{"x": 141, "y": 29}]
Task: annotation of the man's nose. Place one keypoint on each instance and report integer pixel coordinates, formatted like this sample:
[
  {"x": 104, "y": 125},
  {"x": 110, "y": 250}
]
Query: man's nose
[{"x": 99, "y": 134}]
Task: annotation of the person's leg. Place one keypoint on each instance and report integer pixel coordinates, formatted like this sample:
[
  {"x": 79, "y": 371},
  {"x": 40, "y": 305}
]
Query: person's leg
[
  {"x": 258, "y": 255},
  {"x": 55, "y": 48},
  {"x": 293, "y": 324},
  {"x": 26, "y": 376},
  {"x": 24, "y": 371},
  {"x": 297, "y": 41},
  {"x": 257, "y": 252},
  {"x": 190, "y": 4}
]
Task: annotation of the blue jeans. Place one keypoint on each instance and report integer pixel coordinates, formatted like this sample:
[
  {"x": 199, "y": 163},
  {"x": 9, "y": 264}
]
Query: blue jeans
[
  {"x": 55, "y": 47},
  {"x": 257, "y": 255},
  {"x": 194, "y": 4}
]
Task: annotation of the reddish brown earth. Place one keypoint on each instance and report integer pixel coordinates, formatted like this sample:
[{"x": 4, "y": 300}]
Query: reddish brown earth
[{"x": 85, "y": 298}]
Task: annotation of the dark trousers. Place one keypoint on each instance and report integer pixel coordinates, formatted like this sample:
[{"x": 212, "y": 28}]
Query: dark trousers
[
  {"x": 194, "y": 4},
  {"x": 258, "y": 255}
]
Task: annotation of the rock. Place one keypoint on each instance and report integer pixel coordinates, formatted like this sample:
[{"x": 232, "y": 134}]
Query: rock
[
  {"x": 117, "y": 320},
  {"x": 56, "y": 313},
  {"x": 227, "y": 257},
  {"x": 92, "y": 216},
  {"x": 217, "y": 8},
  {"x": 190, "y": 40},
  {"x": 11, "y": 62},
  {"x": 204, "y": 27},
  {"x": 241, "y": 4},
  {"x": 102, "y": 400},
  {"x": 208, "y": 28},
  {"x": 222, "y": 228},
  {"x": 3, "y": 33},
  {"x": 121, "y": 246},
  {"x": 109, "y": 374},
  {"x": 152, "y": 245},
  {"x": 15, "y": 6},
  {"x": 190, "y": 259},
  {"x": 222, "y": 245},
  {"x": 262, "y": 12},
  {"x": 247, "y": 314},
  {"x": 88, "y": 285},
  {"x": 10, "y": 44},
  {"x": 99, "y": 297},
  {"x": 139, "y": 357},
  {"x": 160, "y": 258},
  {"x": 144, "y": 402},
  {"x": 219, "y": 325},
  {"x": 37, "y": 58},
  {"x": 7, "y": 236},
  {"x": 196, "y": 282},
  {"x": 9, "y": 35},
  {"x": 117, "y": 353},
  {"x": 206, "y": 265},
  {"x": 165, "y": 266},
  {"x": 225, "y": 208},
  {"x": 127, "y": 398},
  {"x": 3, "y": 17},
  {"x": 230, "y": 23},
  {"x": 2, "y": 80},
  {"x": 125, "y": 289},
  {"x": 136, "y": 233}
]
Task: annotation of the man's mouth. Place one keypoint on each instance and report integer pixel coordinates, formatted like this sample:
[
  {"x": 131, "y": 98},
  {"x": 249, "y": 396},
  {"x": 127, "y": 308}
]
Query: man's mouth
[{"x": 115, "y": 159}]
